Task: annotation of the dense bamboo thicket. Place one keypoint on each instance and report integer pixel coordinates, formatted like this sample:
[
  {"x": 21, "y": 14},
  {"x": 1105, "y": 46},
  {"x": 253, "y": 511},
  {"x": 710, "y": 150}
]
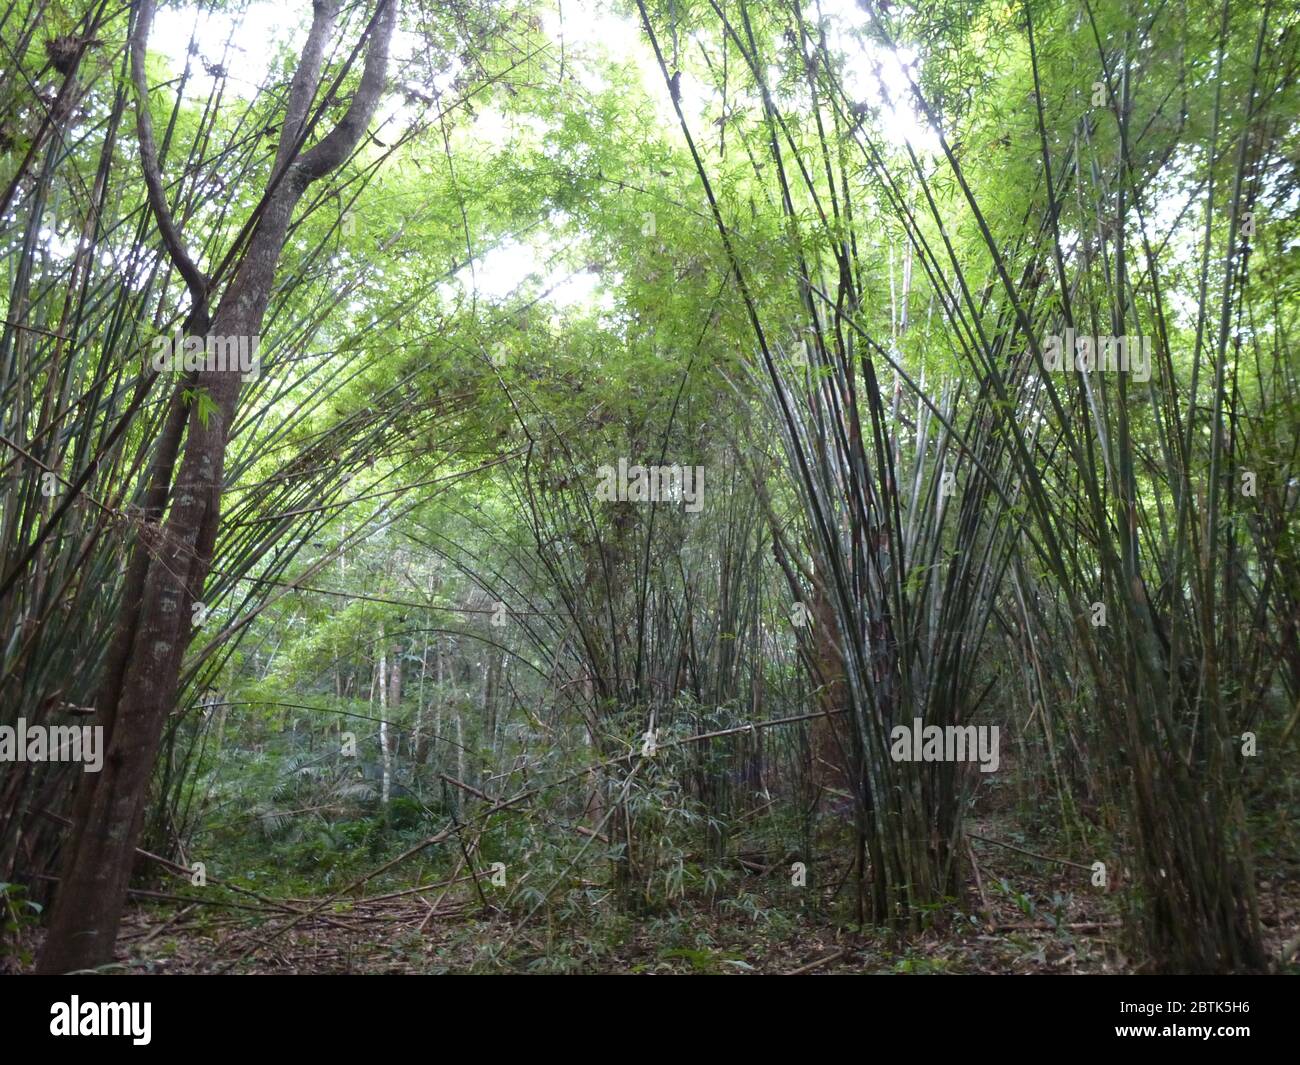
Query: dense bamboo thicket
[{"x": 683, "y": 479}]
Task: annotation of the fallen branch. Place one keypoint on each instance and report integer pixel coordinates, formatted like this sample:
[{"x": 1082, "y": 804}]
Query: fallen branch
[
  {"x": 816, "y": 964},
  {"x": 1031, "y": 854}
]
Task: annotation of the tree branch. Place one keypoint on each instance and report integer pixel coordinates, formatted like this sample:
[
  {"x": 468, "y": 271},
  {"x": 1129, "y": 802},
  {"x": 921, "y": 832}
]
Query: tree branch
[
  {"x": 337, "y": 145},
  {"x": 306, "y": 80},
  {"x": 180, "y": 257}
]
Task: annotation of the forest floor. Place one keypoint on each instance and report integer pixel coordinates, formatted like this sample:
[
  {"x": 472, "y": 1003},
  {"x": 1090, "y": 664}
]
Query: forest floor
[{"x": 1023, "y": 916}]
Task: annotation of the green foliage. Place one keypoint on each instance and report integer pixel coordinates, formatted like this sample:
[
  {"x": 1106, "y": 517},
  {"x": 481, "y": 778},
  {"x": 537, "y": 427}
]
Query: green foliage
[{"x": 822, "y": 283}]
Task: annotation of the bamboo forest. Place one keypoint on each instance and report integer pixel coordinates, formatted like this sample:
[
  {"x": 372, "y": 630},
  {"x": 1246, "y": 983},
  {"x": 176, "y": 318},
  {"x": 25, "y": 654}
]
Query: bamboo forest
[{"x": 681, "y": 487}]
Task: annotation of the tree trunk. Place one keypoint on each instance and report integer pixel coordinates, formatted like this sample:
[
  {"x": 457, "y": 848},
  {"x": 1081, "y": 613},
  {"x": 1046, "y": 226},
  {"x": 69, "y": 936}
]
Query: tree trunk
[
  {"x": 829, "y": 769},
  {"x": 385, "y": 752},
  {"x": 460, "y": 755},
  {"x": 154, "y": 629},
  {"x": 419, "y": 737}
]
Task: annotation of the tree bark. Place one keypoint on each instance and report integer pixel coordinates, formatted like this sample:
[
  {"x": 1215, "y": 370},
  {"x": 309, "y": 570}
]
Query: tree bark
[
  {"x": 385, "y": 752},
  {"x": 154, "y": 627}
]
